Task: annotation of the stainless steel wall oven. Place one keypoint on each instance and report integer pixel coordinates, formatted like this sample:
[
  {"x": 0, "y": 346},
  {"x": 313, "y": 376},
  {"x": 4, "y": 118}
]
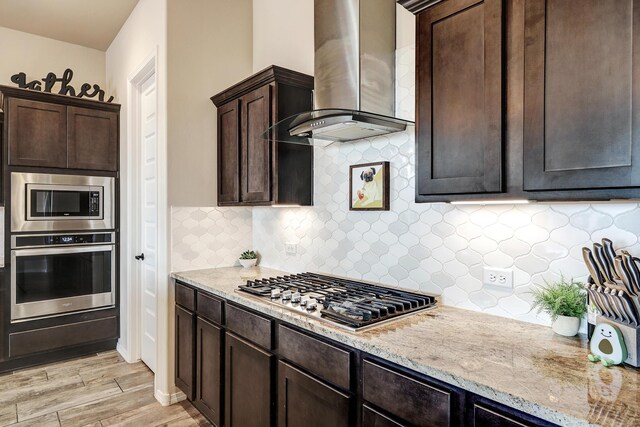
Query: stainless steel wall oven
[
  {"x": 52, "y": 202},
  {"x": 53, "y": 274}
]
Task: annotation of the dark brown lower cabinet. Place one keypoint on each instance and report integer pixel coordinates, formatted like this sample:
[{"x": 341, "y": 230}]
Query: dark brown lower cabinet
[
  {"x": 482, "y": 412},
  {"x": 209, "y": 349},
  {"x": 373, "y": 418},
  {"x": 185, "y": 374},
  {"x": 231, "y": 374},
  {"x": 304, "y": 401},
  {"x": 419, "y": 403},
  {"x": 248, "y": 397},
  {"x": 486, "y": 417}
]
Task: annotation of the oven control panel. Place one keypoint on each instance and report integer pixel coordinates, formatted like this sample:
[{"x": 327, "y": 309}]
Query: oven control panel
[{"x": 62, "y": 239}]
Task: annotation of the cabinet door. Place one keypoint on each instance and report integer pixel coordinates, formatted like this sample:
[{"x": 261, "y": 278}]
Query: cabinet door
[
  {"x": 209, "y": 370},
  {"x": 459, "y": 98},
  {"x": 92, "y": 139},
  {"x": 304, "y": 401},
  {"x": 256, "y": 151},
  {"x": 229, "y": 153},
  {"x": 247, "y": 384},
  {"x": 582, "y": 94},
  {"x": 185, "y": 372},
  {"x": 37, "y": 134}
]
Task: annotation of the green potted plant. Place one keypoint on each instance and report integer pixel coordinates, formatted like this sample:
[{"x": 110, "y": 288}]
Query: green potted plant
[
  {"x": 566, "y": 303},
  {"x": 248, "y": 259}
]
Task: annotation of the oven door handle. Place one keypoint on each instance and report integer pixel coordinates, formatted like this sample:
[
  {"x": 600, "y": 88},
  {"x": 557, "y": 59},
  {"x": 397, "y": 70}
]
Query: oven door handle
[{"x": 57, "y": 250}]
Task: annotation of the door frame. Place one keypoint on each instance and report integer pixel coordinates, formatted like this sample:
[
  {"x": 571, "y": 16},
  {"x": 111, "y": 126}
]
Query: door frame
[{"x": 130, "y": 342}]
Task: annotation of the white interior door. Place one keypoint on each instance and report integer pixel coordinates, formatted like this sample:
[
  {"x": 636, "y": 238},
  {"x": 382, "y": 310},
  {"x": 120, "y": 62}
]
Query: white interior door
[{"x": 148, "y": 222}]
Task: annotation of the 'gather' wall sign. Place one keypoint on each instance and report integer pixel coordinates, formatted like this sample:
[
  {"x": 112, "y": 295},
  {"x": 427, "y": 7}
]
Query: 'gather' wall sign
[{"x": 86, "y": 90}]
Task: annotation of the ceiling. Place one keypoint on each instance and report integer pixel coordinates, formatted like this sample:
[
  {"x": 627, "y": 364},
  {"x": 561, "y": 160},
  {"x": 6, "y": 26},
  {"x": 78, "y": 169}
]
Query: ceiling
[{"x": 90, "y": 23}]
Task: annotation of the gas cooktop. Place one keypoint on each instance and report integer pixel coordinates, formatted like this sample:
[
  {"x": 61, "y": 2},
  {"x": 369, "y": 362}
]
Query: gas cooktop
[{"x": 350, "y": 304}]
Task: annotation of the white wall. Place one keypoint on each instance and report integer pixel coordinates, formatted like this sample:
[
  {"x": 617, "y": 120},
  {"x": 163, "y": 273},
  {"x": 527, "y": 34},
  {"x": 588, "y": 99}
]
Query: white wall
[
  {"x": 36, "y": 56},
  {"x": 143, "y": 35},
  {"x": 283, "y": 34},
  {"x": 405, "y": 28},
  {"x": 209, "y": 49}
]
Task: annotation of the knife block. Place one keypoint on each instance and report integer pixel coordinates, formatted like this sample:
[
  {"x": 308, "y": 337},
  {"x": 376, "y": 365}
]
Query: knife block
[{"x": 631, "y": 336}]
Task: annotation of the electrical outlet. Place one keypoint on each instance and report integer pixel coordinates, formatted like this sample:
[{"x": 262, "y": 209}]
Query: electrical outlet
[
  {"x": 290, "y": 248},
  {"x": 502, "y": 277}
]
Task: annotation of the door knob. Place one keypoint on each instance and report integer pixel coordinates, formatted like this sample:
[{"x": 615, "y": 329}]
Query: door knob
[{"x": 140, "y": 257}]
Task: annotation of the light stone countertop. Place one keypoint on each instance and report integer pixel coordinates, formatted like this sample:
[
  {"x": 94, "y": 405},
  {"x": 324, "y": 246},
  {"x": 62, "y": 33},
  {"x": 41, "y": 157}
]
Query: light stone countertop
[{"x": 519, "y": 364}]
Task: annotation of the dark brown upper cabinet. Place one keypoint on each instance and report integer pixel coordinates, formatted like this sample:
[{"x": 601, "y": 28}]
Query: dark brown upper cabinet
[
  {"x": 55, "y": 131},
  {"x": 527, "y": 99},
  {"x": 254, "y": 170},
  {"x": 92, "y": 139},
  {"x": 581, "y": 94},
  {"x": 37, "y": 133},
  {"x": 459, "y": 98}
]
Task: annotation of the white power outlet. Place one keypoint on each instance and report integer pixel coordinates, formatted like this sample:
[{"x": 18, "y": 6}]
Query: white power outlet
[
  {"x": 502, "y": 277},
  {"x": 290, "y": 248}
]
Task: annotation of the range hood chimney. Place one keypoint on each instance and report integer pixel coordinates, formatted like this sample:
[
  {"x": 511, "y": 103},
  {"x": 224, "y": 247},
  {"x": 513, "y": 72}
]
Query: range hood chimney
[{"x": 354, "y": 95}]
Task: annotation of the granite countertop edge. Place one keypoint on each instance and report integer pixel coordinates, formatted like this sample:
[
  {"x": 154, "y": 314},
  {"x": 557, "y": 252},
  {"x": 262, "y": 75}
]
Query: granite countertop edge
[{"x": 351, "y": 339}]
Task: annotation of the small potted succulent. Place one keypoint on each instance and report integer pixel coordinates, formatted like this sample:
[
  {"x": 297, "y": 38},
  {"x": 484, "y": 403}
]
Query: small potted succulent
[
  {"x": 566, "y": 303},
  {"x": 248, "y": 259}
]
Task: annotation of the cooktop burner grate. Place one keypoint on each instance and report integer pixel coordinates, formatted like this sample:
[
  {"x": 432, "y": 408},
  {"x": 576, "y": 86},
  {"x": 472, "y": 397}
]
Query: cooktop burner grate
[{"x": 348, "y": 303}]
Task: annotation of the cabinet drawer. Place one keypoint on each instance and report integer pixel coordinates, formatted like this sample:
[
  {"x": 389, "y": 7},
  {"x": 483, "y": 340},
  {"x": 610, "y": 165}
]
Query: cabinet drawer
[
  {"x": 416, "y": 402},
  {"x": 185, "y": 296},
  {"x": 209, "y": 307},
  {"x": 250, "y": 326},
  {"x": 487, "y": 417},
  {"x": 373, "y": 418},
  {"x": 324, "y": 360},
  {"x": 56, "y": 337}
]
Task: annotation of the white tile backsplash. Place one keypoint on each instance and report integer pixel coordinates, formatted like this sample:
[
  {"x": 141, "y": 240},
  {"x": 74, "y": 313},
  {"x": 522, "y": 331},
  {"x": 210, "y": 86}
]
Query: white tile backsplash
[{"x": 208, "y": 237}]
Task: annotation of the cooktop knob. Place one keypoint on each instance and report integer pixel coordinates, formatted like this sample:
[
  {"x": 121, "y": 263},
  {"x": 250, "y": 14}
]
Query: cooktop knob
[
  {"x": 312, "y": 304},
  {"x": 303, "y": 300},
  {"x": 286, "y": 295},
  {"x": 295, "y": 297},
  {"x": 275, "y": 293}
]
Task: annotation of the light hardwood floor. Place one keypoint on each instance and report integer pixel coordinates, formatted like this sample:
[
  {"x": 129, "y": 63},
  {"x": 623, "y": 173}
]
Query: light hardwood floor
[{"x": 97, "y": 390}]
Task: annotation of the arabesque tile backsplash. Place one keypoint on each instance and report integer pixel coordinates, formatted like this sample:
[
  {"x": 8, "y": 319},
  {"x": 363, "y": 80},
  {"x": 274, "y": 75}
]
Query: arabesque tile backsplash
[{"x": 433, "y": 247}]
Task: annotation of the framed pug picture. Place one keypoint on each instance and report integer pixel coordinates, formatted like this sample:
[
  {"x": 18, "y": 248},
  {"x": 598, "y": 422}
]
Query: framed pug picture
[{"x": 369, "y": 187}]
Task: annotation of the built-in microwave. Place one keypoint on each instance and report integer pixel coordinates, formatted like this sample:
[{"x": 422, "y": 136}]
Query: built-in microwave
[{"x": 53, "y": 202}]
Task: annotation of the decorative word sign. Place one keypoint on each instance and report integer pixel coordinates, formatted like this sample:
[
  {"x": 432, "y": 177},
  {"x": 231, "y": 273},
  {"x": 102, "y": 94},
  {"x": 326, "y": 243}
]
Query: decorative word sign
[{"x": 86, "y": 90}]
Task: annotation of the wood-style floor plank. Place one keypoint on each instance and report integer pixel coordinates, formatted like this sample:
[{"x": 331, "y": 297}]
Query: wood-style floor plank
[
  {"x": 31, "y": 391},
  {"x": 53, "y": 402},
  {"x": 49, "y": 420},
  {"x": 149, "y": 415},
  {"x": 108, "y": 407},
  {"x": 91, "y": 374},
  {"x": 135, "y": 380},
  {"x": 73, "y": 367},
  {"x": 8, "y": 414},
  {"x": 92, "y": 390}
]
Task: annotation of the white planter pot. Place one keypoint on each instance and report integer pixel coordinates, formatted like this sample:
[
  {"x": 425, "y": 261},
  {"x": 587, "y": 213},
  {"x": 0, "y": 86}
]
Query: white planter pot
[
  {"x": 246, "y": 263},
  {"x": 566, "y": 326}
]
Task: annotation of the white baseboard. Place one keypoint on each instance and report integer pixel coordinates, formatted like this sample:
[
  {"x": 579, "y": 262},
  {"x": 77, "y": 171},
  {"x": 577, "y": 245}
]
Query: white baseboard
[
  {"x": 124, "y": 353},
  {"x": 167, "y": 399}
]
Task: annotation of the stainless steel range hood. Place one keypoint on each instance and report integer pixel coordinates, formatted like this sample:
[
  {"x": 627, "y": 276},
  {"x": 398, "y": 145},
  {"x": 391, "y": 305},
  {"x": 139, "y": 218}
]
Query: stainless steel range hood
[{"x": 354, "y": 96}]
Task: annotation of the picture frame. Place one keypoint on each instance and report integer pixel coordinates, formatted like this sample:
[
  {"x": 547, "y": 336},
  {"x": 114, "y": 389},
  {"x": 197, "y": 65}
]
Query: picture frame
[{"x": 369, "y": 186}]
